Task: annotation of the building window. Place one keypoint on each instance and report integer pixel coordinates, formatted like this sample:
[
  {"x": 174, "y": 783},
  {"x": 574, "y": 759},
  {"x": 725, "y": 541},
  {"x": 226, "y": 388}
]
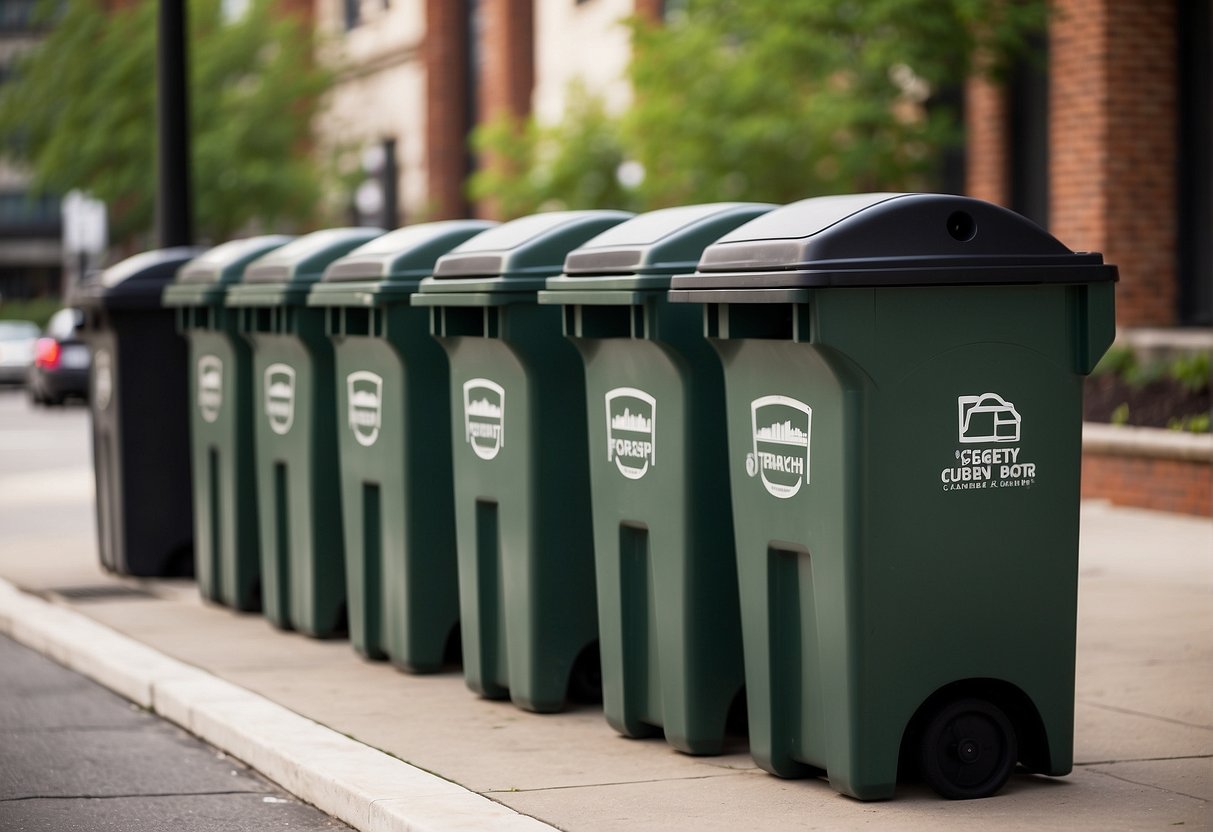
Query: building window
[
  {"x": 353, "y": 13},
  {"x": 17, "y": 15},
  {"x": 1028, "y": 119},
  {"x": 1195, "y": 174}
]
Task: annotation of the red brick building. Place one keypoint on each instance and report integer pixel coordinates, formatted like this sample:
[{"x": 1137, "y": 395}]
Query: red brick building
[{"x": 1107, "y": 142}]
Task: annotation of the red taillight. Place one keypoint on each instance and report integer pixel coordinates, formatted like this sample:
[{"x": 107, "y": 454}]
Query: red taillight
[{"x": 47, "y": 353}]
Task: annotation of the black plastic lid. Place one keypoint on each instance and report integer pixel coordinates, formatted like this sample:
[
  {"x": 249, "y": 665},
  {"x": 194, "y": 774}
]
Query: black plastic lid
[
  {"x": 533, "y": 246},
  {"x": 889, "y": 240},
  {"x": 303, "y": 261},
  {"x": 135, "y": 282},
  {"x": 665, "y": 240},
  {"x": 406, "y": 253},
  {"x": 225, "y": 263}
]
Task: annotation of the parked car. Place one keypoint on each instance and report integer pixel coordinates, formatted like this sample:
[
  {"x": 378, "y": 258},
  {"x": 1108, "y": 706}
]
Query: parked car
[
  {"x": 16, "y": 350},
  {"x": 61, "y": 361}
]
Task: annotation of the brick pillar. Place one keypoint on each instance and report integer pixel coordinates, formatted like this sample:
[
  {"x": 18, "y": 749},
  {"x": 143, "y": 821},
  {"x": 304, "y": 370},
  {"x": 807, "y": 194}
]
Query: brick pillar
[
  {"x": 1112, "y": 145},
  {"x": 507, "y": 68},
  {"x": 445, "y": 53},
  {"x": 987, "y": 172},
  {"x": 653, "y": 10}
]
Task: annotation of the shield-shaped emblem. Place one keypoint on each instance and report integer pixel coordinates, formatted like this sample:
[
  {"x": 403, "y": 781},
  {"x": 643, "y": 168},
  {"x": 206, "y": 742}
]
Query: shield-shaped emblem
[
  {"x": 210, "y": 387},
  {"x": 365, "y": 393},
  {"x": 781, "y": 427},
  {"x": 280, "y": 397},
  {"x": 987, "y": 418},
  {"x": 103, "y": 379},
  {"x": 484, "y": 416},
  {"x": 631, "y": 431}
]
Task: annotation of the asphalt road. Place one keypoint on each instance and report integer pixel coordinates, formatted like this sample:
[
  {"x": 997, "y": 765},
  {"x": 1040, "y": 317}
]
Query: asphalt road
[{"x": 74, "y": 756}]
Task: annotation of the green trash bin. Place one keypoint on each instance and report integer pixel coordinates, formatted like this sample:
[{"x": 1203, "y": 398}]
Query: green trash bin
[
  {"x": 295, "y": 431},
  {"x": 904, "y": 391},
  {"x": 227, "y": 562},
  {"x": 668, "y": 618},
  {"x": 139, "y": 404},
  {"x": 522, "y": 504},
  {"x": 394, "y": 439}
]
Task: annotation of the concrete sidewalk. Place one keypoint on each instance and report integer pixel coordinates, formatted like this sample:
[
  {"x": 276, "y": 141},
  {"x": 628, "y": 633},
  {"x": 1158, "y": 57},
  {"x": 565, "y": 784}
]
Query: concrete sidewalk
[{"x": 1144, "y": 735}]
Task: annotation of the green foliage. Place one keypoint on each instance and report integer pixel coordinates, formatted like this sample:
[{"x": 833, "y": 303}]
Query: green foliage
[
  {"x": 1120, "y": 415},
  {"x": 81, "y": 113},
  {"x": 571, "y": 165},
  {"x": 776, "y": 101},
  {"x": 1116, "y": 361},
  {"x": 1198, "y": 423},
  {"x": 38, "y": 310},
  {"x": 1191, "y": 371},
  {"x": 767, "y": 100}
]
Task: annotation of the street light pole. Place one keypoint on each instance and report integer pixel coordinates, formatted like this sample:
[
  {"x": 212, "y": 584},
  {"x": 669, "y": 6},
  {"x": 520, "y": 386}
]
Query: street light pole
[{"x": 174, "y": 220}]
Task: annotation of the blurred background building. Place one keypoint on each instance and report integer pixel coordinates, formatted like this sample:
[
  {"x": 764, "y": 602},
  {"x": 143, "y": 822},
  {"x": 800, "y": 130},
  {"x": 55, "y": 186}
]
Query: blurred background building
[{"x": 31, "y": 259}]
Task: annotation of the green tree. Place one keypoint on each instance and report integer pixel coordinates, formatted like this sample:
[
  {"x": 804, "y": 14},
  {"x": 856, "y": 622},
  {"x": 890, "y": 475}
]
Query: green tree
[
  {"x": 529, "y": 167},
  {"x": 770, "y": 100},
  {"x": 80, "y": 112}
]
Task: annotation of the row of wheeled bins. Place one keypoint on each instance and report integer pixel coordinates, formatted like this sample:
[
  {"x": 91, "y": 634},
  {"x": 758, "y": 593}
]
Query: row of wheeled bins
[{"x": 820, "y": 459}]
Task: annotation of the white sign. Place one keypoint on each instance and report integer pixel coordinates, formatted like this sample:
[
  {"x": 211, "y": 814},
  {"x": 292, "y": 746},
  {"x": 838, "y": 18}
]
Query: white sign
[
  {"x": 210, "y": 387},
  {"x": 280, "y": 397},
  {"x": 781, "y": 428},
  {"x": 364, "y": 390},
  {"x": 484, "y": 416},
  {"x": 987, "y": 419},
  {"x": 631, "y": 431}
]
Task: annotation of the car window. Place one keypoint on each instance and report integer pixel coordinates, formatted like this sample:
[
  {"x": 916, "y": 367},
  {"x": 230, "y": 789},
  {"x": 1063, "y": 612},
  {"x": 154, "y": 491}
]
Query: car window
[{"x": 18, "y": 330}]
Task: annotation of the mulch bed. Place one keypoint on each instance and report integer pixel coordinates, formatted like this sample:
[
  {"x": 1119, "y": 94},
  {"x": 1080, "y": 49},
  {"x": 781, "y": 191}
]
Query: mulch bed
[{"x": 1153, "y": 404}]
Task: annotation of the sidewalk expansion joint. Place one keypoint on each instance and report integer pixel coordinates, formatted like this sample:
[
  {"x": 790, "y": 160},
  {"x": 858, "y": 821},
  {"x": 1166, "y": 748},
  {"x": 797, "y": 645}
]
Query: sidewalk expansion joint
[
  {"x": 618, "y": 783},
  {"x": 1131, "y": 712},
  {"x": 1149, "y": 785},
  {"x": 1146, "y": 760}
]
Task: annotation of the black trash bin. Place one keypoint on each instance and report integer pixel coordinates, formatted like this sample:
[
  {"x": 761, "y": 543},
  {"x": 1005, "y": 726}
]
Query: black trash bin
[{"x": 139, "y": 402}]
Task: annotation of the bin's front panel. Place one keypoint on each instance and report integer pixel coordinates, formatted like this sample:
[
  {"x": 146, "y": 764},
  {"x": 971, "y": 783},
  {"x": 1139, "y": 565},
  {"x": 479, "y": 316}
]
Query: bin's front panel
[
  {"x": 225, "y": 493},
  {"x": 790, "y": 460},
  {"x": 140, "y": 438},
  {"x": 663, "y": 540},
  {"x": 972, "y": 472},
  {"x": 302, "y": 567},
  {"x": 522, "y": 509},
  {"x": 918, "y": 465},
  {"x": 393, "y": 424}
]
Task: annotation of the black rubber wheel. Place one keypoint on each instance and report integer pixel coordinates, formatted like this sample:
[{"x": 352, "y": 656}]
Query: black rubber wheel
[{"x": 968, "y": 749}]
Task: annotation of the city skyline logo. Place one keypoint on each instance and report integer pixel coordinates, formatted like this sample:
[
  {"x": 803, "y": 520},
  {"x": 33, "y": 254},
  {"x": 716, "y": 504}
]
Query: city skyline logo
[
  {"x": 987, "y": 418},
  {"x": 280, "y": 397},
  {"x": 631, "y": 431},
  {"x": 484, "y": 416},
  {"x": 781, "y": 427},
  {"x": 103, "y": 379},
  {"x": 364, "y": 392},
  {"x": 210, "y": 387}
]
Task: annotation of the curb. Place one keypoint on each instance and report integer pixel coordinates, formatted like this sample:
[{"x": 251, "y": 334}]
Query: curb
[
  {"x": 359, "y": 785},
  {"x": 1153, "y": 443}
]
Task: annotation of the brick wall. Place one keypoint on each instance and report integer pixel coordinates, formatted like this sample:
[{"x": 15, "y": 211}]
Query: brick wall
[
  {"x": 1163, "y": 484},
  {"x": 1112, "y": 144},
  {"x": 445, "y": 53}
]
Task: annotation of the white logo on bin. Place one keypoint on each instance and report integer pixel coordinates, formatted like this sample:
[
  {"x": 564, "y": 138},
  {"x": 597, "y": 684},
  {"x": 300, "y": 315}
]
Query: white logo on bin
[
  {"x": 210, "y": 387},
  {"x": 782, "y": 427},
  {"x": 365, "y": 392},
  {"x": 484, "y": 416},
  {"x": 987, "y": 418},
  {"x": 631, "y": 431},
  {"x": 103, "y": 379},
  {"x": 280, "y": 397}
]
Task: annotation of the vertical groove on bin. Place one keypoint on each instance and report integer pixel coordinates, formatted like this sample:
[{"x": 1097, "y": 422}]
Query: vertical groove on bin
[
  {"x": 282, "y": 543},
  {"x": 372, "y": 548},
  {"x": 635, "y": 607},
  {"x": 214, "y": 495},
  {"x": 784, "y": 628},
  {"x": 493, "y": 658}
]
